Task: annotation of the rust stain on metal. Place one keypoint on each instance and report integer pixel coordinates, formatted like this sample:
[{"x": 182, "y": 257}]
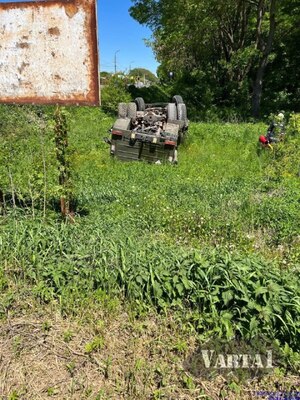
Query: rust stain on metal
[
  {"x": 23, "y": 45},
  {"x": 23, "y": 65},
  {"x": 54, "y": 31},
  {"x": 48, "y": 52},
  {"x": 71, "y": 9}
]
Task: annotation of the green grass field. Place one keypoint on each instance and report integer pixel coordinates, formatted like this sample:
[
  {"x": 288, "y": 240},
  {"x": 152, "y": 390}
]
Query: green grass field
[{"x": 159, "y": 259}]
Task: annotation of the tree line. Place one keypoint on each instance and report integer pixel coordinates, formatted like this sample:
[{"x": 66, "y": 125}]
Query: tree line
[{"x": 240, "y": 54}]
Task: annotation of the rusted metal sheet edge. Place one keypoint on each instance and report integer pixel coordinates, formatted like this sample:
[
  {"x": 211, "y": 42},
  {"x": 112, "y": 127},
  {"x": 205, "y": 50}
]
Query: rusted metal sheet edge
[
  {"x": 93, "y": 101},
  {"x": 93, "y": 97}
]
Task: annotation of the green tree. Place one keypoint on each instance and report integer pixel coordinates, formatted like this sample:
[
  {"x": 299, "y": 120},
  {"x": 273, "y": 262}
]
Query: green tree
[
  {"x": 143, "y": 73},
  {"x": 224, "y": 46},
  {"x": 113, "y": 93},
  {"x": 283, "y": 73}
]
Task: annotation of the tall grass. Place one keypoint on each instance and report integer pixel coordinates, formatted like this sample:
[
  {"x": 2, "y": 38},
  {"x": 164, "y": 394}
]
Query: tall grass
[{"x": 216, "y": 237}]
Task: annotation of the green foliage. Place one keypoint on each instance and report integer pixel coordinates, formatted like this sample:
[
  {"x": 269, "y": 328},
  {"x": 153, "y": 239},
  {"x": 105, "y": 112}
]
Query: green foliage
[
  {"x": 152, "y": 94},
  {"x": 214, "y": 239},
  {"x": 282, "y": 76},
  {"x": 293, "y": 128},
  {"x": 113, "y": 93},
  {"x": 286, "y": 154},
  {"x": 221, "y": 51},
  {"x": 188, "y": 382},
  {"x": 228, "y": 293},
  {"x": 28, "y": 171},
  {"x": 141, "y": 73},
  {"x": 61, "y": 129},
  {"x": 68, "y": 336},
  {"x": 96, "y": 344},
  {"x": 14, "y": 395}
]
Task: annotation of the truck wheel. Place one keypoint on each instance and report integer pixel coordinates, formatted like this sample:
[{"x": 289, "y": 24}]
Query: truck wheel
[
  {"x": 140, "y": 104},
  {"x": 173, "y": 159},
  {"x": 180, "y": 139},
  {"x": 131, "y": 111},
  {"x": 181, "y": 112},
  {"x": 122, "y": 110},
  {"x": 171, "y": 112},
  {"x": 177, "y": 99}
]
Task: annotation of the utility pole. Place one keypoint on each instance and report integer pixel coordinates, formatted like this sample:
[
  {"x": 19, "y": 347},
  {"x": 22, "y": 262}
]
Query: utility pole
[{"x": 115, "y": 61}]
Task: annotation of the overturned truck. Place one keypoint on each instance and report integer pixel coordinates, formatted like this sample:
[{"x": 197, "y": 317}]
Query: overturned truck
[{"x": 149, "y": 132}]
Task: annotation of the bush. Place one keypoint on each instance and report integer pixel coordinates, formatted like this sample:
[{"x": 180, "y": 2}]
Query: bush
[
  {"x": 286, "y": 162},
  {"x": 152, "y": 94},
  {"x": 294, "y": 125},
  {"x": 113, "y": 93}
]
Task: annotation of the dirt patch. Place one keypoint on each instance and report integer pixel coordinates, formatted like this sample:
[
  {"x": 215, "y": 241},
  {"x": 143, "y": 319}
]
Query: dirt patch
[{"x": 109, "y": 358}]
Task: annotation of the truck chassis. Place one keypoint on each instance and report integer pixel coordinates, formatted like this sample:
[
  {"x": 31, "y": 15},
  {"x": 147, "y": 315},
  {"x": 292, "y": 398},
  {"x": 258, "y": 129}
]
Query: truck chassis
[{"x": 149, "y": 132}]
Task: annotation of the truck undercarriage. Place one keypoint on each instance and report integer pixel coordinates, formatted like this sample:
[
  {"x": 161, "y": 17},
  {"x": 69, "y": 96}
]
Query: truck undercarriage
[{"x": 149, "y": 132}]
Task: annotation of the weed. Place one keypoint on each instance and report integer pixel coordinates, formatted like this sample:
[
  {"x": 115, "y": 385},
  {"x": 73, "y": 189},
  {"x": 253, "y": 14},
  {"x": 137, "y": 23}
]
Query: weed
[
  {"x": 188, "y": 382},
  {"x": 96, "y": 344},
  {"x": 71, "y": 367},
  {"x": 51, "y": 391},
  {"x": 68, "y": 336},
  {"x": 100, "y": 395},
  {"x": 17, "y": 345},
  {"x": 46, "y": 326},
  {"x": 180, "y": 346},
  {"x": 14, "y": 395}
]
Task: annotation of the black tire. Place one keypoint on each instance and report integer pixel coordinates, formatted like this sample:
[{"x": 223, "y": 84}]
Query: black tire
[
  {"x": 177, "y": 99},
  {"x": 171, "y": 112},
  {"x": 140, "y": 104},
  {"x": 131, "y": 110},
  {"x": 122, "y": 110}
]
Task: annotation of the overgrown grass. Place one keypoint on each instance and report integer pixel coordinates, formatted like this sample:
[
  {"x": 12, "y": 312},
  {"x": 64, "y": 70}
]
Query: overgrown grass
[{"x": 214, "y": 239}]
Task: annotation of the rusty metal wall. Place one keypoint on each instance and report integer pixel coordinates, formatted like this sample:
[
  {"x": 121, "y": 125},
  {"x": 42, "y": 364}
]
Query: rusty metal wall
[{"x": 48, "y": 52}]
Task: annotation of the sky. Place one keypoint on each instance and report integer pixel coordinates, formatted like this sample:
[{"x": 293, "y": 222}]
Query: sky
[{"x": 121, "y": 35}]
